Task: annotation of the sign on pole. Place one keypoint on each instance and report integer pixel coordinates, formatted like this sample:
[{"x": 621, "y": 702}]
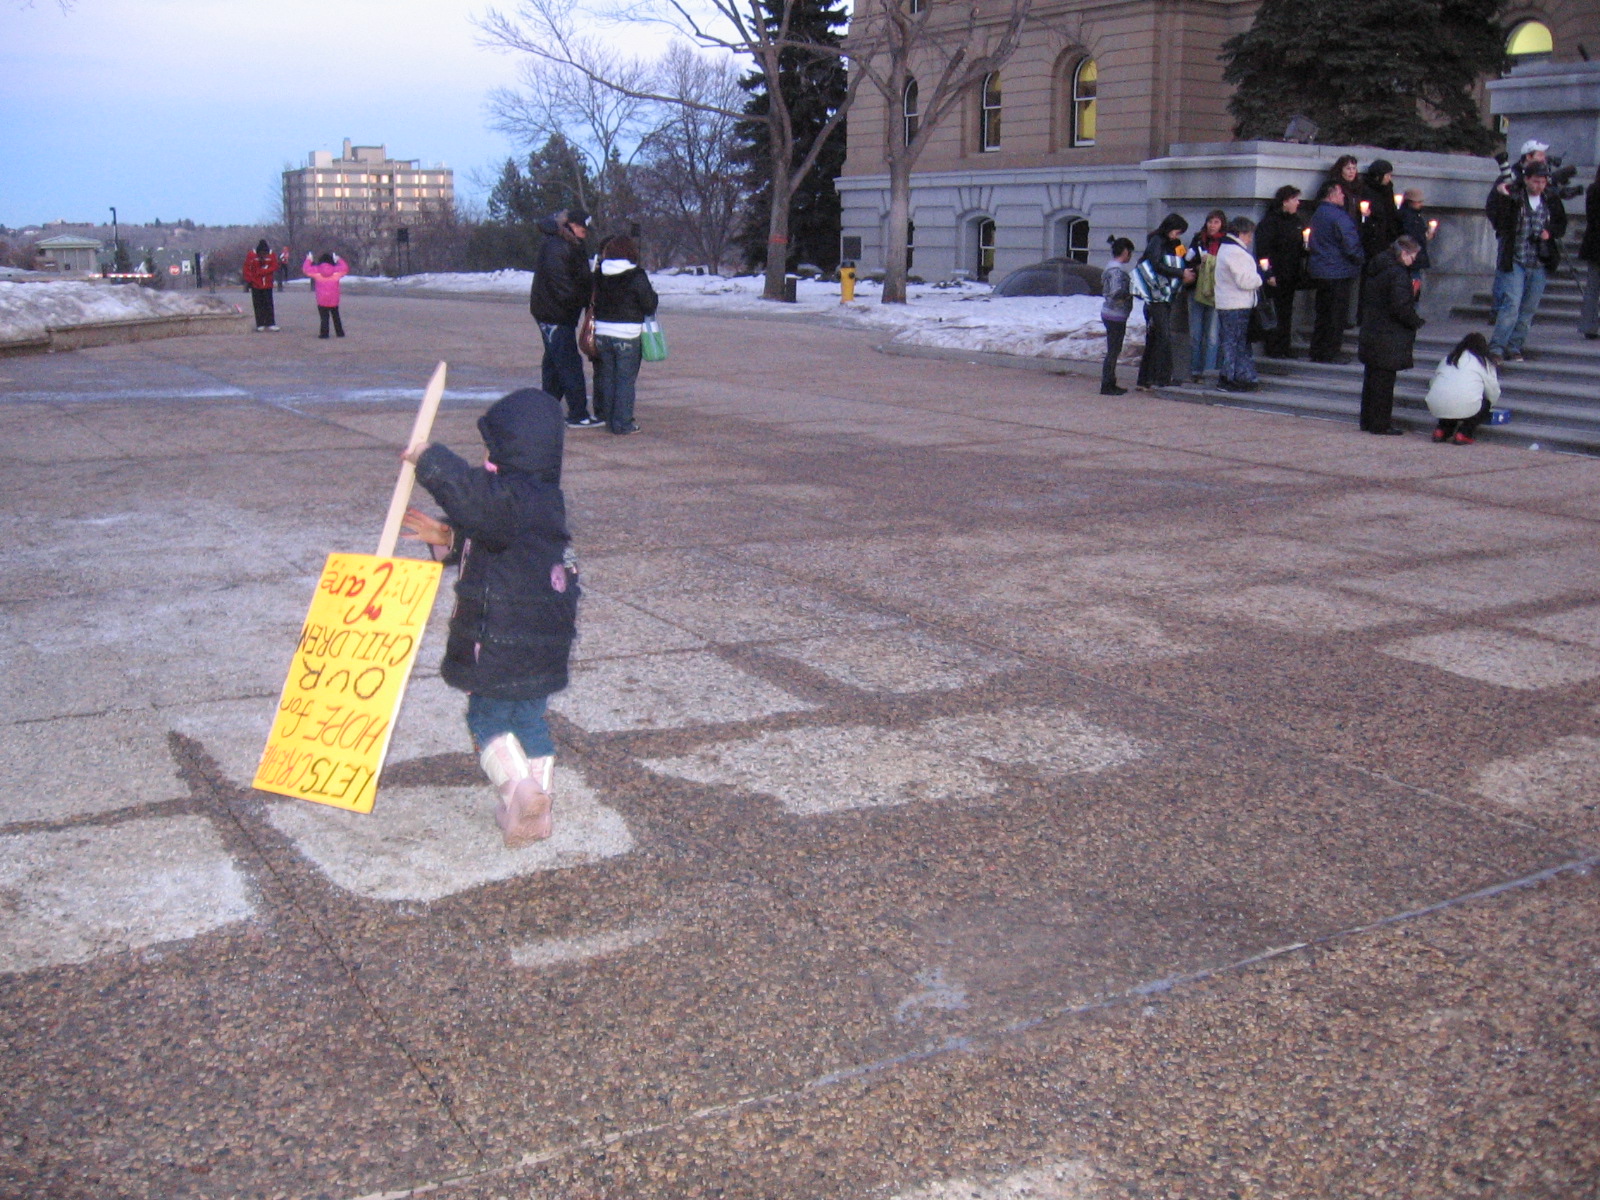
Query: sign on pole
[{"x": 348, "y": 676}]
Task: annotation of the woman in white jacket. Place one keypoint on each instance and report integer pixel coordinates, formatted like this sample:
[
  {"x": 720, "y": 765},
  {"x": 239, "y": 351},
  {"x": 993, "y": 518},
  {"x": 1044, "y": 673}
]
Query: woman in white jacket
[
  {"x": 1238, "y": 281},
  {"x": 1463, "y": 390}
]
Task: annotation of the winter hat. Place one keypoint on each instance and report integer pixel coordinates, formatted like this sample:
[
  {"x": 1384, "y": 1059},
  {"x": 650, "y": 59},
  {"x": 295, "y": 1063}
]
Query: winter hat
[
  {"x": 1533, "y": 146},
  {"x": 1379, "y": 168},
  {"x": 262, "y": 247},
  {"x": 576, "y": 216}
]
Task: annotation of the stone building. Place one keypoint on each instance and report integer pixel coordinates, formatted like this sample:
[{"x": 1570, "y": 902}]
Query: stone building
[
  {"x": 364, "y": 186},
  {"x": 1111, "y": 113},
  {"x": 68, "y": 254}
]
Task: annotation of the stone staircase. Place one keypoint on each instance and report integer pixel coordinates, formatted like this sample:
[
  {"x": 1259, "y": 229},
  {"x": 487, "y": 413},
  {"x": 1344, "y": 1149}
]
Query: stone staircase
[{"x": 1554, "y": 396}]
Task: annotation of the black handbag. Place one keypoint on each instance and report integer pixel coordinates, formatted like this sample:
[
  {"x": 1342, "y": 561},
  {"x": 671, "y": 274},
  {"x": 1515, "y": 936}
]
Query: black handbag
[{"x": 1263, "y": 317}]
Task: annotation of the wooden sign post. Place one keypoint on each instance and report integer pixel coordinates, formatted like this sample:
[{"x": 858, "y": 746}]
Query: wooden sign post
[{"x": 349, "y": 673}]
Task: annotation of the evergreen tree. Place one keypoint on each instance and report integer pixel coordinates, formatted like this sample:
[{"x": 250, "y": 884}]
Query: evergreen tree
[
  {"x": 1393, "y": 73},
  {"x": 555, "y": 179},
  {"x": 814, "y": 91}
]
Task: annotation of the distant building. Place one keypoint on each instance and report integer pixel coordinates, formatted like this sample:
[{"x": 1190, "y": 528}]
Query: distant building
[
  {"x": 68, "y": 254},
  {"x": 364, "y": 186}
]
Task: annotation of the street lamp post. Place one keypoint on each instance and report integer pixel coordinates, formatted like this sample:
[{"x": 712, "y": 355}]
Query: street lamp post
[{"x": 116, "y": 237}]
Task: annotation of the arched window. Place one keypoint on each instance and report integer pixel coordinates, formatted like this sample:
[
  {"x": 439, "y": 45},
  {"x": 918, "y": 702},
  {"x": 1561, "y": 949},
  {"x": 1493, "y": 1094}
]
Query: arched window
[
  {"x": 985, "y": 264},
  {"x": 1530, "y": 37},
  {"x": 1071, "y": 239},
  {"x": 989, "y": 113},
  {"x": 1085, "y": 87},
  {"x": 909, "y": 109}
]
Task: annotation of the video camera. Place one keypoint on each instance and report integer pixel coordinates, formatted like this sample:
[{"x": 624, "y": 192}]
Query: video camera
[{"x": 1561, "y": 178}]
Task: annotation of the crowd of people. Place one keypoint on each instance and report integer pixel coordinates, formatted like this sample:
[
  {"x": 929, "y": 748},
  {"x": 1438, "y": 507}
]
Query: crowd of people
[{"x": 1362, "y": 252}]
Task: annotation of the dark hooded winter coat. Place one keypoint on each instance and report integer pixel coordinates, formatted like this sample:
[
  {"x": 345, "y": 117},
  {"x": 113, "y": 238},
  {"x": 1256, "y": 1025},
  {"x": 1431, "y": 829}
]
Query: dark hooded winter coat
[
  {"x": 1389, "y": 317},
  {"x": 561, "y": 284},
  {"x": 1382, "y": 223},
  {"x": 516, "y": 600}
]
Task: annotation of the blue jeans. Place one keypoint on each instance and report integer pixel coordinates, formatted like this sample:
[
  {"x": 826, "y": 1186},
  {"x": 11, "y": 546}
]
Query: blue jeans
[
  {"x": 1521, "y": 289},
  {"x": 615, "y": 373},
  {"x": 488, "y": 719},
  {"x": 562, "y": 372},
  {"x": 1202, "y": 337},
  {"x": 1238, "y": 364}
]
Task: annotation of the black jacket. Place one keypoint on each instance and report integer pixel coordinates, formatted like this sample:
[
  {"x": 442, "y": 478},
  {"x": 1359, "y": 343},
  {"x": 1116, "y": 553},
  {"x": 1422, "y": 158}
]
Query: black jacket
[
  {"x": 626, "y": 297},
  {"x": 560, "y": 289},
  {"x": 1389, "y": 317},
  {"x": 1382, "y": 223},
  {"x": 1281, "y": 241},
  {"x": 1590, "y": 250},
  {"x": 1415, "y": 226},
  {"x": 516, "y": 600},
  {"x": 1501, "y": 209}
]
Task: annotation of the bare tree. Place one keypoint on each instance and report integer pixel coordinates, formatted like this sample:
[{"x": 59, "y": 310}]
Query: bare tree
[
  {"x": 955, "y": 52},
  {"x": 603, "y": 124},
  {"x": 692, "y": 177},
  {"x": 755, "y": 29}
]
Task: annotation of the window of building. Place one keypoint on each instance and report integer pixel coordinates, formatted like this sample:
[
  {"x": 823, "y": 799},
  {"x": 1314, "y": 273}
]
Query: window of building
[
  {"x": 911, "y": 243},
  {"x": 913, "y": 115},
  {"x": 1071, "y": 239},
  {"x": 1085, "y": 86},
  {"x": 989, "y": 113},
  {"x": 986, "y": 233},
  {"x": 1530, "y": 37}
]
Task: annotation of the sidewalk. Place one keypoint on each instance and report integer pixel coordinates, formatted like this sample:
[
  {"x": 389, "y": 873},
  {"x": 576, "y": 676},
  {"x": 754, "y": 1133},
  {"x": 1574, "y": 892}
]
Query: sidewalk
[{"x": 970, "y": 786}]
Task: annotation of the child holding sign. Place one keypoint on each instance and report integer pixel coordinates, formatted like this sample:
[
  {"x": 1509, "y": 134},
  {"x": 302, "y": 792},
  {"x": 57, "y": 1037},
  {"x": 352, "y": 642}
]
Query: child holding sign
[{"x": 516, "y": 599}]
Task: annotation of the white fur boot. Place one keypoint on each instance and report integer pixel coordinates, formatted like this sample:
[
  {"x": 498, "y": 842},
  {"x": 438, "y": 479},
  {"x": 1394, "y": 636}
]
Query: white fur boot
[{"x": 523, "y": 813}]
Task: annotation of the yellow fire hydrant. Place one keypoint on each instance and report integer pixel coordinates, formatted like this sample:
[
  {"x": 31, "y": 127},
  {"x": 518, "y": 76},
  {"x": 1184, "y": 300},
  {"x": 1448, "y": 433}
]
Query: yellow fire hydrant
[{"x": 847, "y": 284}]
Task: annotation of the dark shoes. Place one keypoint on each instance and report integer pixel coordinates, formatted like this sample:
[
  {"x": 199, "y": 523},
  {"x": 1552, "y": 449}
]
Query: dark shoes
[
  {"x": 1391, "y": 431},
  {"x": 1237, "y": 385},
  {"x": 630, "y": 427},
  {"x": 1113, "y": 390},
  {"x": 584, "y": 423}
]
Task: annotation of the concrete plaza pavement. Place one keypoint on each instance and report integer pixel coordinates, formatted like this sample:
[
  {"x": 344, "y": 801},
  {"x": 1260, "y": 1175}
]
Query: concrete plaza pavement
[{"x": 970, "y": 786}]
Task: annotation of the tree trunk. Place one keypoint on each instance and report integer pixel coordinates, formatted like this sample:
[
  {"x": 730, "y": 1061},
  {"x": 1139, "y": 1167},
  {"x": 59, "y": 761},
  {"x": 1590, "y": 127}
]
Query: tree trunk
[
  {"x": 778, "y": 233},
  {"x": 894, "y": 254}
]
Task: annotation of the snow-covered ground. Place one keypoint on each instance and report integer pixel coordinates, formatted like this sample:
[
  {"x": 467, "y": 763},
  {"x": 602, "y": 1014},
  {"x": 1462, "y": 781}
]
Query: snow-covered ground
[
  {"x": 958, "y": 316},
  {"x": 27, "y": 309}
]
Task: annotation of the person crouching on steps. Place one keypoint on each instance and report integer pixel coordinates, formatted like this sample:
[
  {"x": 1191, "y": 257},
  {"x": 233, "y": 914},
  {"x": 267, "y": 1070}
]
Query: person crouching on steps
[
  {"x": 1116, "y": 285},
  {"x": 325, "y": 275},
  {"x": 516, "y": 598},
  {"x": 1465, "y": 387}
]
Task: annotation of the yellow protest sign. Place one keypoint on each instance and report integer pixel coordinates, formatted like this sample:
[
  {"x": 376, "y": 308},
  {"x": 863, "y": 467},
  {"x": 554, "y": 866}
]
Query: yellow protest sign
[{"x": 347, "y": 679}]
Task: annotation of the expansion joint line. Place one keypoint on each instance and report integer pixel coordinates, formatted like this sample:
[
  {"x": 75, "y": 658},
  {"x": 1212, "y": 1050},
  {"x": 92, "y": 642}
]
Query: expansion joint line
[{"x": 979, "y": 1040}]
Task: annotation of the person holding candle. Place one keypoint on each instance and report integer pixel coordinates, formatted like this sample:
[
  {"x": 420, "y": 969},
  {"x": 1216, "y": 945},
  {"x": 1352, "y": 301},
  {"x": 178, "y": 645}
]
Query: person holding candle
[
  {"x": 1382, "y": 223},
  {"x": 1280, "y": 244},
  {"x": 1389, "y": 324},
  {"x": 1238, "y": 281},
  {"x": 1420, "y": 230},
  {"x": 1202, "y": 260},
  {"x": 1159, "y": 278}
]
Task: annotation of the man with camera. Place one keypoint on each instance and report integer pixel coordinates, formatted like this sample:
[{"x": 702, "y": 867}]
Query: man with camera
[{"x": 1529, "y": 224}]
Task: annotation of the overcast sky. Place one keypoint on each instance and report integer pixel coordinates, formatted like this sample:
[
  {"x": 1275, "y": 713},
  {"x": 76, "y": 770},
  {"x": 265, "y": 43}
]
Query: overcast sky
[{"x": 192, "y": 108}]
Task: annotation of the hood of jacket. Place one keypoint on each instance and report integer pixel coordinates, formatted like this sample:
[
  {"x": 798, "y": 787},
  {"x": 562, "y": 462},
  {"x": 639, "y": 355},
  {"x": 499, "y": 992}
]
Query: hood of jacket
[{"x": 523, "y": 433}]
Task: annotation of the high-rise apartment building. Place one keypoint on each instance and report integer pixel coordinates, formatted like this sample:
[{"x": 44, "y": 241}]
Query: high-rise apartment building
[{"x": 364, "y": 184}]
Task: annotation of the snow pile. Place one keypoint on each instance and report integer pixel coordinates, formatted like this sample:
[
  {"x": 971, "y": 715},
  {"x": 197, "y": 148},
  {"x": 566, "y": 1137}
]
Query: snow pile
[
  {"x": 29, "y": 310},
  {"x": 960, "y": 316}
]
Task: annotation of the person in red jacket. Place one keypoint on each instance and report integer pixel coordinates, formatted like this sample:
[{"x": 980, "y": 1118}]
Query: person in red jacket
[{"x": 260, "y": 265}]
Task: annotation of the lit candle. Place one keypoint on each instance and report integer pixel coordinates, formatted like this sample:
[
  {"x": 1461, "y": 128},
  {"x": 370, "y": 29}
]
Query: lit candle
[
  {"x": 1305, "y": 235},
  {"x": 1433, "y": 227},
  {"x": 1399, "y": 199},
  {"x": 1263, "y": 264},
  {"x": 1366, "y": 207}
]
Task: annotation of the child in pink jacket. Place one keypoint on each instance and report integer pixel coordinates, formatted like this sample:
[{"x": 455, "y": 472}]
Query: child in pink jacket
[{"x": 325, "y": 274}]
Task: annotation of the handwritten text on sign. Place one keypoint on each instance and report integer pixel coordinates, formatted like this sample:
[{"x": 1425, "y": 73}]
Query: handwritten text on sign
[{"x": 347, "y": 679}]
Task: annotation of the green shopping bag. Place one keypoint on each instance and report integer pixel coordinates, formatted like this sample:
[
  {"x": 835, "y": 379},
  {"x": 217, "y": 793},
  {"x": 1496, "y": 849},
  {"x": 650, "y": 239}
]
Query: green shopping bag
[{"x": 652, "y": 341}]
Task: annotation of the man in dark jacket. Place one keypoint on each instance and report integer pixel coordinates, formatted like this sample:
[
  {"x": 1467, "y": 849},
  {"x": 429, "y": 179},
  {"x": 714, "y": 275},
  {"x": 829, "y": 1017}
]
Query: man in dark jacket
[
  {"x": 1530, "y": 223},
  {"x": 1389, "y": 324},
  {"x": 1280, "y": 239},
  {"x": 559, "y": 295},
  {"x": 1336, "y": 261}
]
